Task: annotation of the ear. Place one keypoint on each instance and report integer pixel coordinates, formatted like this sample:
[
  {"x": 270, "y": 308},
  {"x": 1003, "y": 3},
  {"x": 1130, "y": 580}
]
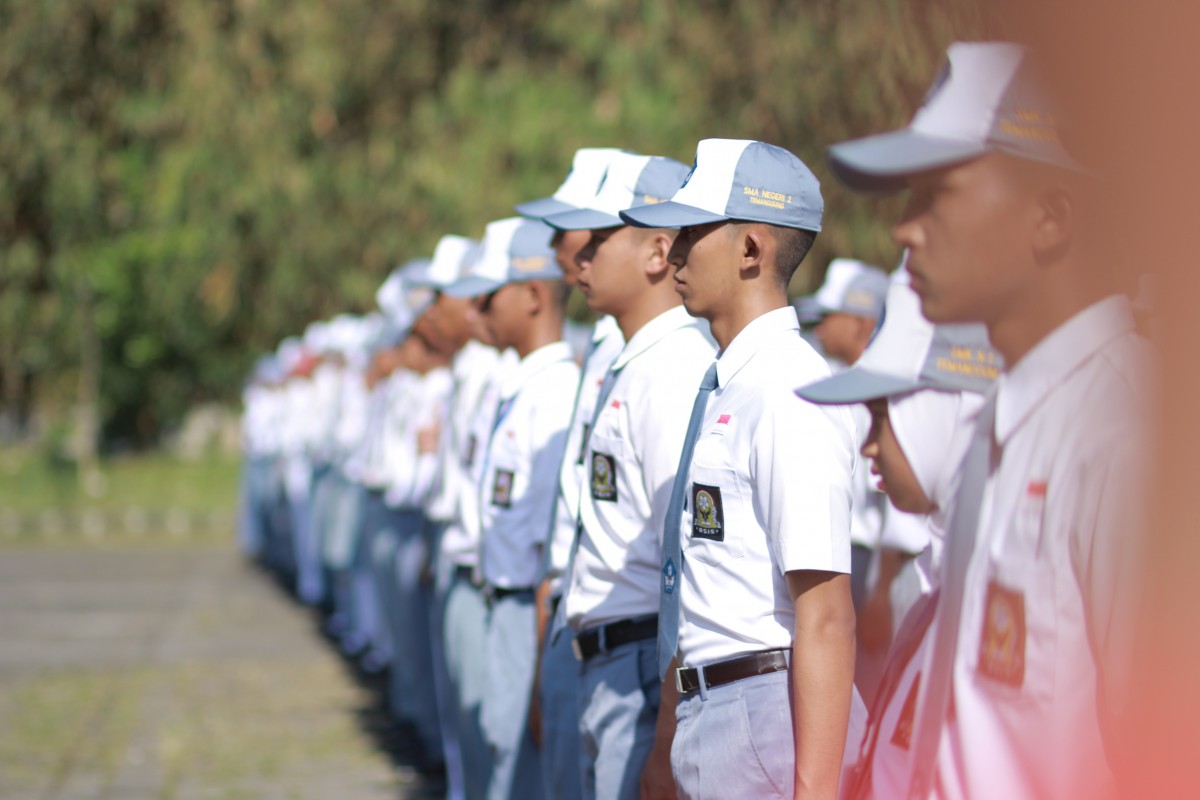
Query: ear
[
  {"x": 658, "y": 248},
  {"x": 756, "y": 248},
  {"x": 535, "y": 297},
  {"x": 1054, "y": 223}
]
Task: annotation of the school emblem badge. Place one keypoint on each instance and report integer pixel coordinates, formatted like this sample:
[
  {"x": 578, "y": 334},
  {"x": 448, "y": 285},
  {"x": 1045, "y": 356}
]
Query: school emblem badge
[
  {"x": 668, "y": 573},
  {"x": 502, "y": 488},
  {"x": 1002, "y": 643},
  {"x": 708, "y": 517},
  {"x": 604, "y": 477}
]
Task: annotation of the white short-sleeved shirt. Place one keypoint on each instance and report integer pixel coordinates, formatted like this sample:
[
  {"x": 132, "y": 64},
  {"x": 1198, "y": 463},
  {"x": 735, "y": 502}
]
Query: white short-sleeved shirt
[
  {"x": 768, "y": 492},
  {"x": 1046, "y": 625},
  {"x": 470, "y": 369},
  {"x": 411, "y": 473},
  {"x": 607, "y": 343},
  {"x": 632, "y": 459},
  {"x": 474, "y": 409},
  {"x": 520, "y": 478}
]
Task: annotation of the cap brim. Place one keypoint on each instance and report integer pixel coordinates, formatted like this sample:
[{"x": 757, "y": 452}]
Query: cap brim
[
  {"x": 542, "y": 208},
  {"x": 669, "y": 215},
  {"x": 582, "y": 219},
  {"x": 855, "y": 386},
  {"x": 881, "y": 163},
  {"x": 472, "y": 286}
]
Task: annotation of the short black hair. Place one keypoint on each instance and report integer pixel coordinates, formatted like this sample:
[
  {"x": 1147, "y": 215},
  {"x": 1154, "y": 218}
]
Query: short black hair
[{"x": 793, "y": 246}]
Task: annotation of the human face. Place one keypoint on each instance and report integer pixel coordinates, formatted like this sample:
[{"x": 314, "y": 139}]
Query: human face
[
  {"x": 566, "y": 244},
  {"x": 967, "y": 229},
  {"x": 896, "y": 477},
  {"x": 502, "y": 314},
  {"x": 449, "y": 322},
  {"x": 705, "y": 259},
  {"x": 608, "y": 267},
  {"x": 840, "y": 337}
]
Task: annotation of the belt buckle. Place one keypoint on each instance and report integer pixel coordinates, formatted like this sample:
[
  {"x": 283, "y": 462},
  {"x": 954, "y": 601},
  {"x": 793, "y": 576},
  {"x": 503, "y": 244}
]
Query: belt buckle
[
  {"x": 576, "y": 649},
  {"x": 679, "y": 679}
]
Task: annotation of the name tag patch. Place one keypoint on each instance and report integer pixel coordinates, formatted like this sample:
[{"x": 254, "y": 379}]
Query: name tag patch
[
  {"x": 604, "y": 477},
  {"x": 1002, "y": 643},
  {"x": 708, "y": 520},
  {"x": 902, "y": 736},
  {"x": 502, "y": 488}
]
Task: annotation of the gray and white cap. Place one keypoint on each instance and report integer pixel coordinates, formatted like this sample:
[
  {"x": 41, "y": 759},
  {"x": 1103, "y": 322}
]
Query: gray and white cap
[
  {"x": 631, "y": 180},
  {"x": 514, "y": 250},
  {"x": 853, "y": 287},
  {"x": 985, "y": 99},
  {"x": 739, "y": 179},
  {"x": 910, "y": 353},
  {"x": 582, "y": 182}
]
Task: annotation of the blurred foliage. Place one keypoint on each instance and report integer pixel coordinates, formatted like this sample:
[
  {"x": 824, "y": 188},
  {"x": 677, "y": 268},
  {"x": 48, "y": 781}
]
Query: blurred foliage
[{"x": 191, "y": 180}]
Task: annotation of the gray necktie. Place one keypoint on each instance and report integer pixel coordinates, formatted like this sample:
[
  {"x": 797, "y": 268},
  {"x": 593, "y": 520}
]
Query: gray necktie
[
  {"x": 960, "y": 543},
  {"x": 672, "y": 551}
]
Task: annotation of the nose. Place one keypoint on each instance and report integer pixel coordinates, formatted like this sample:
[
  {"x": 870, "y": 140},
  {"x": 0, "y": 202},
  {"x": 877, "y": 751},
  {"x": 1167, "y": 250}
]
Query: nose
[
  {"x": 678, "y": 254},
  {"x": 906, "y": 232}
]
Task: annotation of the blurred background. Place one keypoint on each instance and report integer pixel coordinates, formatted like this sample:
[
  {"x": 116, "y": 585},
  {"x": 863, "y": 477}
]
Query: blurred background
[{"x": 185, "y": 182}]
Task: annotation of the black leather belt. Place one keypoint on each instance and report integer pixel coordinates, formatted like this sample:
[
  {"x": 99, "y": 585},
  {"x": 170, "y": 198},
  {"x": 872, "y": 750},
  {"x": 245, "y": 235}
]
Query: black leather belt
[
  {"x": 594, "y": 641},
  {"x": 465, "y": 573},
  {"x": 687, "y": 679},
  {"x": 494, "y": 594}
]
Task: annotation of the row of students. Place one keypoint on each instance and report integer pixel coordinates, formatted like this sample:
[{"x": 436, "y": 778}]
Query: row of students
[{"x": 644, "y": 563}]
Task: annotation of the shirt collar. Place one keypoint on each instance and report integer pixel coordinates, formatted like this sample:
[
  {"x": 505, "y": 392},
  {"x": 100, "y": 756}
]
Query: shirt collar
[
  {"x": 752, "y": 338},
  {"x": 1050, "y": 363},
  {"x": 531, "y": 364},
  {"x": 605, "y": 326},
  {"x": 653, "y": 332}
]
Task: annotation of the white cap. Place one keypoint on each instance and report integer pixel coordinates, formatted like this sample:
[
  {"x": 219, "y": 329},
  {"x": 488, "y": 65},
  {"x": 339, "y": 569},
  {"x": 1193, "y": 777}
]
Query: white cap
[
  {"x": 514, "y": 250},
  {"x": 853, "y": 287},
  {"x": 910, "y": 353},
  {"x": 631, "y": 181},
  {"x": 450, "y": 257},
  {"x": 401, "y": 300},
  {"x": 580, "y": 186},
  {"x": 984, "y": 99}
]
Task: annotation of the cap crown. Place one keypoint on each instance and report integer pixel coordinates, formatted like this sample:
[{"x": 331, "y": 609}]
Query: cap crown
[
  {"x": 853, "y": 287},
  {"x": 631, "y": 180},
  {"x": 580, "y": 186}
]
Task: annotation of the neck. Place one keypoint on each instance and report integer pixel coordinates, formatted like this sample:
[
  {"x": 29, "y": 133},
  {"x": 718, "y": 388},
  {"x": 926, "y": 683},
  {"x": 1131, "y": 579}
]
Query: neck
[
  {"x": 658, "y": 300},
  {"x": 544, "y": 331},
  {"x": 744, "y": 310},
  {"x": 1035, "y": 315}
]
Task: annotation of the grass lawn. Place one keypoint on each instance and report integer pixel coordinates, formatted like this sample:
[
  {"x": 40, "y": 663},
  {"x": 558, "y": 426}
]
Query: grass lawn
[{"x": 150, "y": 498}]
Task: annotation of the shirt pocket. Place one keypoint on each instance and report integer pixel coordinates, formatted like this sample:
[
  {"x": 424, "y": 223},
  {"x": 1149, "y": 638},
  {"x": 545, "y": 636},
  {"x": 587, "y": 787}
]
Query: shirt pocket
[
  {"x": 714, "y": 515},
  {"x": 1016, "y": 652}
]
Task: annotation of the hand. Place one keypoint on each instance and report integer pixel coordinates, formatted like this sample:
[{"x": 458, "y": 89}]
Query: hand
[
  {"x": 875, "y": 621},
  {"x": 427, "y": 438},
  {"x": 657, "y": 782}
]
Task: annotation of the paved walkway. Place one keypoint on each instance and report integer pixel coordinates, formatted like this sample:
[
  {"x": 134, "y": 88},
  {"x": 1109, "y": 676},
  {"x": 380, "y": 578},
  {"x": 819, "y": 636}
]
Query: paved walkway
[{"x": 174, "y": 674}]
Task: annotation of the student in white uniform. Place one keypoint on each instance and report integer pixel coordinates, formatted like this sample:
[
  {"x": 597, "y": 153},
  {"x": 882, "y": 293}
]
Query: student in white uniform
[
  {"x": 755, "y": 568},
  {"x": 849, "y": 305},
  {"x": 554, "y": 713},
  {"x": 631, "y": 455},
  {"x": 1028, "y": 669},
  {"x": 521, "y": 299},
  {"x": 922, "y": 386}
]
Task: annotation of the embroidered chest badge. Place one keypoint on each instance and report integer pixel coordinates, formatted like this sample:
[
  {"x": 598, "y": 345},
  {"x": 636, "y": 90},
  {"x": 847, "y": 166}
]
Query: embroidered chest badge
[
  {"x": 708, "y": 521},
  {"x": 604, "y": 477},
  {"x": 502, "y": 488},
  {"x": 1002, "y": 643},
  {"x": 668, "y": 573}
]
